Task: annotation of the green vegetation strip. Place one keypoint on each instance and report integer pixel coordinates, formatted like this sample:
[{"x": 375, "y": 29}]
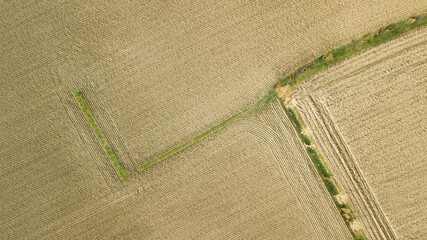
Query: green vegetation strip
[
  {"x": 271, "y": 96},
  {"x": 95, "y": 126},
  {"x": 355, "y": 46},
  {"x": 324, "y": 172}
]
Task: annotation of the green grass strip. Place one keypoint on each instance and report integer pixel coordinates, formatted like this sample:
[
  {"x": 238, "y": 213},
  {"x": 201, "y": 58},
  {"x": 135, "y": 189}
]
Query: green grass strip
[
  {"x": 95, "y": 127},
  {"x": 355, "y": 46},
  {"x": 323, "y": 170},
  {"x": 271, "y": 96}
]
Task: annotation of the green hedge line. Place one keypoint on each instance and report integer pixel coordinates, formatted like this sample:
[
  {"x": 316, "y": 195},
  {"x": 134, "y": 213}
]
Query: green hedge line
[{"x": 95, "y": 127}]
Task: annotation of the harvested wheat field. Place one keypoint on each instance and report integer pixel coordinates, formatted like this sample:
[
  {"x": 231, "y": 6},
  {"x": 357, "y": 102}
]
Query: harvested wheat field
[
  {"x": 367, "y": 116},
  {"x": 92, "y": 91}
]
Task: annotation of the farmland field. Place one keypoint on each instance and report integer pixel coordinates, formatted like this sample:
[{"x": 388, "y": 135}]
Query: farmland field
[
  {"x": 253, "y": 179},
  {"x": 158, "y": 66},
  {"x": 367, "y": 116},
  {"x": 156, "y": 74}
]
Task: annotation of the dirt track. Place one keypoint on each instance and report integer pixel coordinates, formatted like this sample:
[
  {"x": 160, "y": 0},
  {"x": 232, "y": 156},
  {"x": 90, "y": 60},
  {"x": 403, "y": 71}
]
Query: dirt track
[{"x": 367, "y": 116}]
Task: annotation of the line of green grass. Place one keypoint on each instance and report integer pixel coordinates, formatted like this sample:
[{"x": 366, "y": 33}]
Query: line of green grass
[
  {"x": 101, "y": 136},
  {"x": 271, "y": 96},
  {"x": 355, "y": 46},
  {"x": 323, "y": 170}
]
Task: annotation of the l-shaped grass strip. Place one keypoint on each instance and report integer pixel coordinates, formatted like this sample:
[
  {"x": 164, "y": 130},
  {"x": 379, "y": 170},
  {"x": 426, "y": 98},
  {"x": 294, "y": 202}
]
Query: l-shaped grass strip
[
  {"x": 324, "y": 172},
  {"x": 104, "y": 142},
  {"x": 355, "y": 46},
  {"x": 271, "y": 96}
]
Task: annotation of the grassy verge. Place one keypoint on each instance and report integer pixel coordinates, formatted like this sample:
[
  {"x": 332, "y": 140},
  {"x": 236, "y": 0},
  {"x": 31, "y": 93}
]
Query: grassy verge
[
  {"x": 355, "y": 46},
  {"x": 324, "y": 172},
  {"x": 271, "y": 96},
  {"x": 95, "y": 126}
]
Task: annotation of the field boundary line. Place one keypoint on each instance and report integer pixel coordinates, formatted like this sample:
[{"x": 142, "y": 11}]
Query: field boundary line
[
  {"x": 102, "y": 113},
  {"x": 65, "y": 96},
  {"x": 283, "y": 136},
  {"x": 95, "y": 126},
  {"x": 271, "y": 96}
]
